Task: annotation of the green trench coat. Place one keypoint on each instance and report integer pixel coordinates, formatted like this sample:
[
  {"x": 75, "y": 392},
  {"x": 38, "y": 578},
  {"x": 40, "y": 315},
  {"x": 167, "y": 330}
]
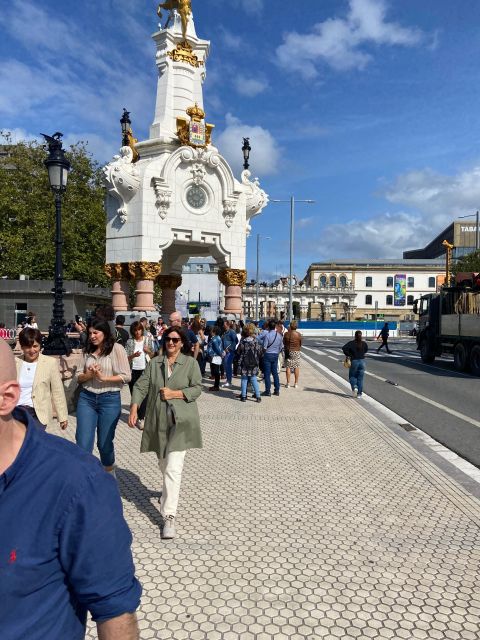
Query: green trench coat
[{"x": 185, "y": 377}]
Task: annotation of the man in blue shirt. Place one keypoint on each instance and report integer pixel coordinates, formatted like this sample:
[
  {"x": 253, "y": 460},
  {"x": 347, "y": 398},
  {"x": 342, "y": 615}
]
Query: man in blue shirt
[
  {"x": 229, "y": 341},
  {"x": 64, "y": 544},
  {"x": 273, "y": 344}
]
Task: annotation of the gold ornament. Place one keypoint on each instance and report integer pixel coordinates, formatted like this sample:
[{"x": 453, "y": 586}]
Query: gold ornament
[
  {"x": 184, "y": 8},
  {"x": 183, "y": 52},
  {"x": 144, "y": 270},
  {"x": 169, "y": 281},
  {"x": 232, "y": 277},
  {"x": 117, "y": 271},
  {"x": 184, "y": 128}
]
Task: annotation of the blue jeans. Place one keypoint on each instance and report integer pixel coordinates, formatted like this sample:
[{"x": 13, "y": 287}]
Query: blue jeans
[
  {"x": 270, "y": 364},
  {"x": 254, "y": 381},
  {"x": 98, "y": 413},
  {"x": 228, "y": 364},
  {"x": 357, "y": 371}
]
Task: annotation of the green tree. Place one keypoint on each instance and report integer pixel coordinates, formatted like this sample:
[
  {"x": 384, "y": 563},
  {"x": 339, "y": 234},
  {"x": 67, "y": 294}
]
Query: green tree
[
  {"x": 27, "y": 215},
  {"x": 468, "y": 263}
]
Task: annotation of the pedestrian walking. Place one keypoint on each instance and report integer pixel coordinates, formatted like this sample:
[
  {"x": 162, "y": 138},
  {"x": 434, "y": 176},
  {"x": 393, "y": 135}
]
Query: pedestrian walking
[
  {"x": 64, "y": 540},
  {"x": 171, "y": 384},
  {"x": 41, "y": 386},
  {"x": 120, "y": 331},
  {"x": 140, "y": 350},
  {"x": 273, "y": 345},
  {"x": 383, "y": 335},
  {"x": 229, "y": 340},
  {"x": 106, "y": 369},
  {"x": 356, "y": 350},
  {"x": 292, "y": 344},
  {"x": 248, "y": 356},
  {"x": 214, "y": 352}
]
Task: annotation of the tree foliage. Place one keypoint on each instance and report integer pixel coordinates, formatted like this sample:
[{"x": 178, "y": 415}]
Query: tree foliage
[
  {"x": 27, "y": 215},
  {"x": 468, "y": 263}
]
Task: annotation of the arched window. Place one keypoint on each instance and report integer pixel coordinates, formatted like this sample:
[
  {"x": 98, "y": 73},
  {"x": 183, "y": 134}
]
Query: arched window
[
  {"x": 333, "y": 281},
  {"x": 343, "y": 281},
  {"x": 323, "y": 281},
  {"x": 368, "y": 299}
]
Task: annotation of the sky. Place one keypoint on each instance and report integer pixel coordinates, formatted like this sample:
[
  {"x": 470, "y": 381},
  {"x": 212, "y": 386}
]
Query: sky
[{"x": 368, "y": 107}]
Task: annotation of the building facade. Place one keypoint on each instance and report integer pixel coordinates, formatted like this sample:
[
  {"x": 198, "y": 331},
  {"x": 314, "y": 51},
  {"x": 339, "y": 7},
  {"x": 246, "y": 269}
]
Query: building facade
[
  {"x": 464, "y": 234},
  {"x": 350, "y": 290}
]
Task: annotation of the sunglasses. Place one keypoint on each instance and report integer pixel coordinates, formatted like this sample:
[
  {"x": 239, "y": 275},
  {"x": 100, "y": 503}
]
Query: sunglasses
[{"x": 174, "y": 340}]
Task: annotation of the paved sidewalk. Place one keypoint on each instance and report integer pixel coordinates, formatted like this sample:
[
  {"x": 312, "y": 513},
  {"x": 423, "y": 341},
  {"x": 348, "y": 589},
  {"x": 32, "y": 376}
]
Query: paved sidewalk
[{"x": 303, "y": 517}]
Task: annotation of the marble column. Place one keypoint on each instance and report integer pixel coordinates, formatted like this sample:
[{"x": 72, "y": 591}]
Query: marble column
[
  {"x": 144, "y": 275},
  {"x": 169, "y": 284},
  {"x": 120, "y": 286},
  {"x": 234, "y": 280}
]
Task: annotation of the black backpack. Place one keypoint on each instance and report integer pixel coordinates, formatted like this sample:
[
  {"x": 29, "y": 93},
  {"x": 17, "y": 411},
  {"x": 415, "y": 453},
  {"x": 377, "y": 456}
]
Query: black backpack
[{"x": 250, "y": 359}]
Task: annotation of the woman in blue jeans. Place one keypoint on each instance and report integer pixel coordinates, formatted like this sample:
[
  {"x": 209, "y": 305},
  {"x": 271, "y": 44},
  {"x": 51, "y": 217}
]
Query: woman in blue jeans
[
  {"x": 356, "y": 350},
  {"x": 248, "y": 357},
  {"x": 106, "y": 369}
]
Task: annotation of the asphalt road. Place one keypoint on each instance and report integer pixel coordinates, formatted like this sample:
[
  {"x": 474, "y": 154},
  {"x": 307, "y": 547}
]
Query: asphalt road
[{"x": 434, "y": 398}]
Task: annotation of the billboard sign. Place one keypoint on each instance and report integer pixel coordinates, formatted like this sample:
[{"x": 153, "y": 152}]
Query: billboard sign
[{"x": 400, "y": 290}]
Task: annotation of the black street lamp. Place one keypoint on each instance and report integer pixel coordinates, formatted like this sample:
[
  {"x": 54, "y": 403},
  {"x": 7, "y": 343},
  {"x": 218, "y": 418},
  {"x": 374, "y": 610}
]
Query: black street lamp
[
  {"x": 246, "y": 152},
  {"x": 57, "y": 343},
  {"x": 126, "y": 127}
]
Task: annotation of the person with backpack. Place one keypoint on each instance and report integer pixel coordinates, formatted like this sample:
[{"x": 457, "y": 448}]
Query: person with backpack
[
  {"x": 248, "y": 356},
  {"x": 214, "y": 354}
]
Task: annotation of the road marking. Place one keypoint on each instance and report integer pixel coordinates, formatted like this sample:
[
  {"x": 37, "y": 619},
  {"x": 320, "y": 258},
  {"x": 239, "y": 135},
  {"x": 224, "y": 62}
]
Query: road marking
[{"x": 462, "y": 464}]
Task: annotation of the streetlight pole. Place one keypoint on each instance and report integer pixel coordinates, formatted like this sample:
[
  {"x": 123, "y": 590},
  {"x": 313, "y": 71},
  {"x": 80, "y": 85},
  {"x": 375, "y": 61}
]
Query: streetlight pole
[
  {"x": 58, "y": 166},
  {"x": 258, "y": 275},
  {"x": 292, "y": 226}
]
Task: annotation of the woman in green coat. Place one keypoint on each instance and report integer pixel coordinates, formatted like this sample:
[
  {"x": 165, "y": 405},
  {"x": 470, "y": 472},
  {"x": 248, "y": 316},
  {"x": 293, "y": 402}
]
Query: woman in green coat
[{"x": 171, "y": 383}]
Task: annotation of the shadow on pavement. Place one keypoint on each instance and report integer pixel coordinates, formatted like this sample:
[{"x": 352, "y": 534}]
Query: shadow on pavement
[
  {"x": 331, "y": 393},
  {"x": 133, "y": 490}
]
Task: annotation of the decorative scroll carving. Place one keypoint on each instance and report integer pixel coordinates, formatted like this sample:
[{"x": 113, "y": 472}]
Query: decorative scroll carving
[
  {"x": 122, "y": 180},
  {"x": 229, "y": 211},
  {"x": 232, "y": 277},
  {"x": 256, "y": 199},
  {"x": 198, "y": 173},
  {"x": 144, "y": 270},
  {"x": 183, "y": 52},
  {"x": 169, "y": 281},
  {"x": 163, "y": 197},
  {"x": 117, "y": 271}
]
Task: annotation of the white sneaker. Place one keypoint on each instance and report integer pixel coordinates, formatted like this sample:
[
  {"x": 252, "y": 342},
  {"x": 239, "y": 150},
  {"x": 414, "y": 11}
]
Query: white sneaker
[
  {"x": 295, "y": 386},
  {"x": 226, "y": 385},
  {"x": 168, "y": 528},
  {"x": 355, "y": 393},
  {"x": 140, "y": 424},
  {"x": 287, "y": 386}
]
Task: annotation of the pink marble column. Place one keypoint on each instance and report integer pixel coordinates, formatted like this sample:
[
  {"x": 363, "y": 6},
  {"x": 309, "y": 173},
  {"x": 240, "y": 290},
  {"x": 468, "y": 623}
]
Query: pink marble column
[
  {"x": 169, "y": 284},
  {"x": 144, "y": 296},
  {"x": 234, "y": 280},
  {"x": 120, "y": 295}
]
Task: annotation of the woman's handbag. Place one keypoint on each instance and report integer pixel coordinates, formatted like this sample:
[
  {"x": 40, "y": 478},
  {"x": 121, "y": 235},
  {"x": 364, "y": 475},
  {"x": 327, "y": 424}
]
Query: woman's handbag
[
  {"x": 347, "y": 363},
  {"x": 217, "y": 360}
]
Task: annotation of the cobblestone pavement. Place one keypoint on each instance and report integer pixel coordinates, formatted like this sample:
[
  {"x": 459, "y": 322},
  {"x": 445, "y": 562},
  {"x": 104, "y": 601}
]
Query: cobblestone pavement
[{"x": 303, "y": 517}]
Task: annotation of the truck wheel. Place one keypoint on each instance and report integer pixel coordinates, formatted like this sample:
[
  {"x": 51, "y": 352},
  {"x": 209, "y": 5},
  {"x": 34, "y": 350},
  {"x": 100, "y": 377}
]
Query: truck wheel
[
  {"x": 425, "y": 353},
  {"x": 475, "y": 360},
  {"x": 460, "y": 357}
]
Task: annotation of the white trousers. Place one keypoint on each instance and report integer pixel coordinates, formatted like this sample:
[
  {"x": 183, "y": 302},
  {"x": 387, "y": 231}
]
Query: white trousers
[{"x": 171, "y": 467}]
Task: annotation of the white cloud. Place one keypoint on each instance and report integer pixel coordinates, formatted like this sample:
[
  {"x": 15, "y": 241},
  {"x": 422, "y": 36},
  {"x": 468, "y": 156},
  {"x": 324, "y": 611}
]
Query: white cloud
[
  {"x": 252, "y": 6},
  {"x": 265, "y": 155},
  {"x": 230, "y": 40},
  {"x": 338, "y": 42},
  {"x": 434, "y": 199},
  {"x": 302, "y": 223},
  {"x": 249, "y": 87}
]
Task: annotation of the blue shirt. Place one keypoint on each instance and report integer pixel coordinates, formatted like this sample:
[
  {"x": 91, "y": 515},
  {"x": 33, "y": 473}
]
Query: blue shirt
[
  {"x": 64, "y": 544},
  {"x": 272, "y": 342},
  {"x": 229, "y": 340}
]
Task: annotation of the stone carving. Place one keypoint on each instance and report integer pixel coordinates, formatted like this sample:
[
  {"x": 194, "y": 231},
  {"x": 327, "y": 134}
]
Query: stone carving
[
  {"x": 122, "y": 180},
  {"x": 229, "y": 211},
  {"x": 257, "y": 198},
  {"x": 198, "y": 173},
  {"x": 232, "y": 277},
  {"x": 144, "y": 270},
  {"x": 200, "y": 156},
  {"x": 169, "y": 281},
  {"x": 117, "y": 271},
  {"x": 163, "y": 197}
]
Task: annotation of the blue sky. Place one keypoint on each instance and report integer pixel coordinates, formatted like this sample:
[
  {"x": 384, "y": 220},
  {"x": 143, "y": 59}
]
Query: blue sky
[{"x": 369, "y": 107}]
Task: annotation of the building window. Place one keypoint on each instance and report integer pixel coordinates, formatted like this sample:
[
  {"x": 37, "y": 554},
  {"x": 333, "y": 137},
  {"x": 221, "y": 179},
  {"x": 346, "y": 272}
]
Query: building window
[
  {"x": 323, "y": 281},
  {"x": 410, "y": 282},
  {"x": 389, "y": 281},
  {"x": 410, "y": 300},
  {"x": 389, "y": 300},
  {"x": 199, "y": 268},
  {"x": 212, "y": 268},
  {"x": 431, "y": 282},
  {"x": 368, "y": 299},
  {"x": 368, "y": 281},
  {"x": 343, "y": 281},
  {"x": 333, "y": 281}
]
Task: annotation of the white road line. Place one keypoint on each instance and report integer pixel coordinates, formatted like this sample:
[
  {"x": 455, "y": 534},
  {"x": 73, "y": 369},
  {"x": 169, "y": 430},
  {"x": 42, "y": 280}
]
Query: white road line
[{"x": 465, "y": 466}]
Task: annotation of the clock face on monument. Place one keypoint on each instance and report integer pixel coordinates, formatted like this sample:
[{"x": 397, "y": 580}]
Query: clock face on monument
[{"x": 196, "y": 197}]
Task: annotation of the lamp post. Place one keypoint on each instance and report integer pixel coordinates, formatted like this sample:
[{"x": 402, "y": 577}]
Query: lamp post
[
  {"x": 246, "y": 152},
  {"x": 58, "y": 166},
  {"x": 292, "y": 223},
  {"x": 258, "y": 274},
  {"x": 126, "y": 126}
]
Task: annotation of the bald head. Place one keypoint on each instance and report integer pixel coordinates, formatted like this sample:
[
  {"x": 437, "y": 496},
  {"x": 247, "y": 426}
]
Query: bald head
[
  {"x": 8, "y": 371},
  {"x": 175, "y": 319}
]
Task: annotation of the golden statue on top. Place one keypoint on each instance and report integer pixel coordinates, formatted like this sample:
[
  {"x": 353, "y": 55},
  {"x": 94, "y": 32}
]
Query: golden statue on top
[{"x": 184, "y": 8}]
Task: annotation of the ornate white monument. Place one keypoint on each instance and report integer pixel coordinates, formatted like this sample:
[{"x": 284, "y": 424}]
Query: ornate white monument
[{"x": 174, "y": 196}]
